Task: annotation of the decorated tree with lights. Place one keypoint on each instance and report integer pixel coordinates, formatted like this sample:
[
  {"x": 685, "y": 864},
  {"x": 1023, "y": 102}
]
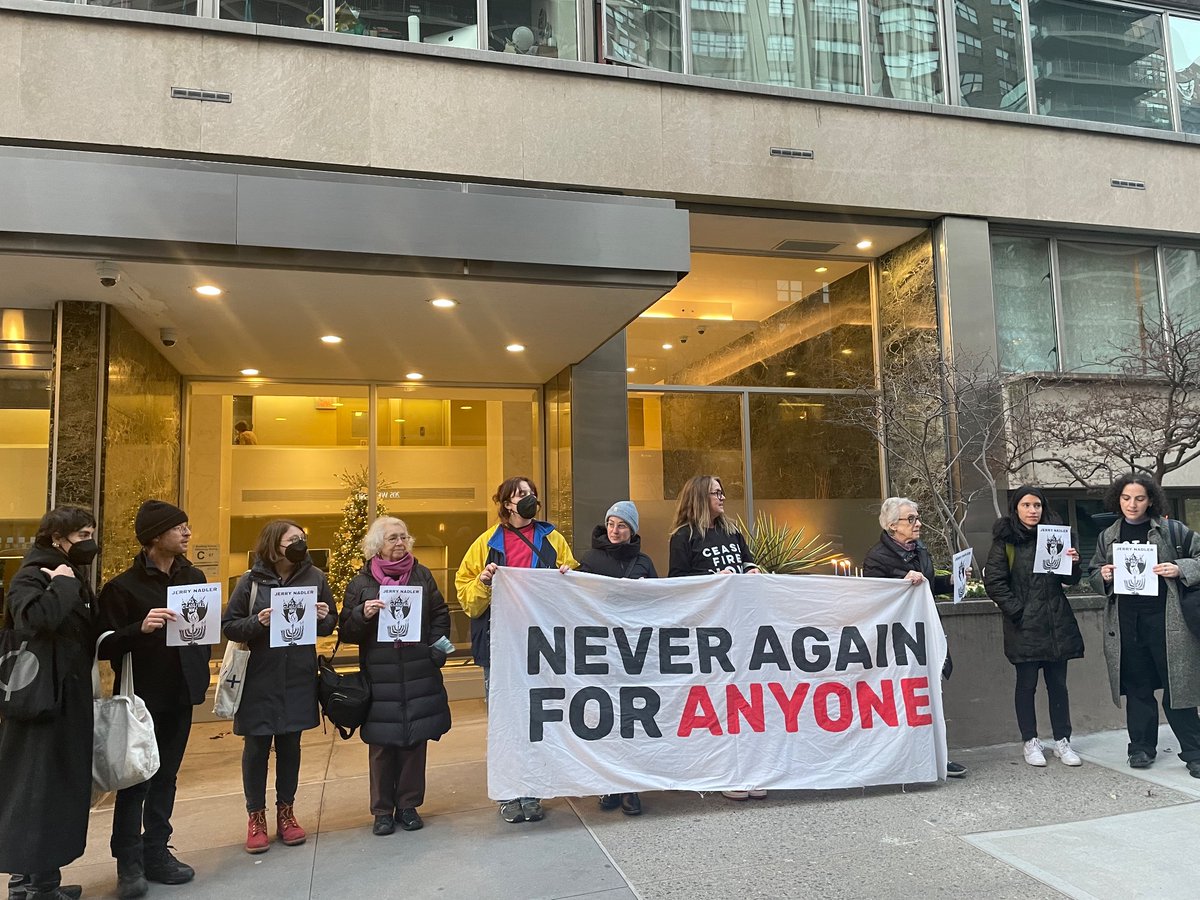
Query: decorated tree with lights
[{"x": 346, "y": 557}]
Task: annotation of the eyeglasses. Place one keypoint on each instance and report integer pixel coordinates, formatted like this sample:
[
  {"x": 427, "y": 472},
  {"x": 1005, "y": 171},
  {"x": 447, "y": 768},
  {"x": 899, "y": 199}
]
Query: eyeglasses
[
  {"x": 295, "y": 538},
  {"x": 396, "y": 539},
  {"x": 617, "y": 526},
  {"x": 720, "y": 494},
  {"x": 911, "y": 520}
]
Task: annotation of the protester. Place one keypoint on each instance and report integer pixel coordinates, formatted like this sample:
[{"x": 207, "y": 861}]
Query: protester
[
  {"x": 617, "y": 553},
  {"x": 409, "y": 706},
  {"x": 900, "y": 554},
  {"x": 518, "y": 541},
  {"x": 279, "y": 699},
  {"x": 46, "y": 766},
  {"x": 1147, "y": 644},
  {"x": 1040, "y": 631},
  {"x": 705, "y": 542},
  {"x": 170, "y": 680}
]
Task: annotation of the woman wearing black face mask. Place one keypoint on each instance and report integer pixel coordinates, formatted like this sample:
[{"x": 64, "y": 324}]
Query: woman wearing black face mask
[
  {"x": 46, "y": 790},
  {"x": 279, "y": 700}
]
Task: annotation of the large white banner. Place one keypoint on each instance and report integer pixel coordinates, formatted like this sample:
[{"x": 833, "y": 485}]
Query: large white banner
[{"x": 605, "y": 685}]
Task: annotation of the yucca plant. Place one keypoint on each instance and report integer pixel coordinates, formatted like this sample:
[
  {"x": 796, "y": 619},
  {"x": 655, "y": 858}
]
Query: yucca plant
[{"x": 782, "y": 550}]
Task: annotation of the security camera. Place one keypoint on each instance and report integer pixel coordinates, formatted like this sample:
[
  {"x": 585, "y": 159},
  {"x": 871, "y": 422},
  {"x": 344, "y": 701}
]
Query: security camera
[
  {"x": 701, "y": 329},
  {"x": 108, "y": 273},
  {"x": 683, "y": 340},
  {"x": 168, "y": 337}
]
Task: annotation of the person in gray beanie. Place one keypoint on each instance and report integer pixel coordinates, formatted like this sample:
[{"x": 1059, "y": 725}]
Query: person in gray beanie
[
  {"x": 617, "y": 553},
  {"x": 171, "y": 680}
]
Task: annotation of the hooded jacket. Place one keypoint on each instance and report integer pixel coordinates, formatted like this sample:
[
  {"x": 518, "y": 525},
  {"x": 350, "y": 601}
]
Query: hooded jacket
[
  {"x": 1039, "y": 624},
  {"x": 617, "y": 560}
]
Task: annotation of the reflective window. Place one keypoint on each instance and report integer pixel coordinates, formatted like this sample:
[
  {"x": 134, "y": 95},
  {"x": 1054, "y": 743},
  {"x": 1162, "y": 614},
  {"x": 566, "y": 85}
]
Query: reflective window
[
  {"x": 544, "y": 28},
  {"x": 1183, "y": 285},
  {"x": 451, "y": 23},
  {"x": 1185, "y": 56},
  {"x": 794, "y": 43},
  {"x": 181, "y": 7},
  {"x": 1024, "y": 304},
  {"x": 906, "y": 59},
  {"x": 991, "y": 61},
  {"x": 273, "y": 12},
  {"x": 1098, "y": 62},
  {"x": 1109, "y": 295},
  {"x": 644, "y": 34}
]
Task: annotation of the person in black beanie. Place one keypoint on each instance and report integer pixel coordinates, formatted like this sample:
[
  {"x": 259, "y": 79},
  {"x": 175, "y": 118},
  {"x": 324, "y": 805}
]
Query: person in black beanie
[{"x": 171, "y": 680}]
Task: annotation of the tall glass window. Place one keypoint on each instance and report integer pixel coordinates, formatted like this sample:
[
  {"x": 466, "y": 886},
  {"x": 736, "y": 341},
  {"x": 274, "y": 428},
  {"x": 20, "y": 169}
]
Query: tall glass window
[
  {"x": 1099, "y": 62},
  {"x": 1185, "y": 57},
  {"x": 991, "y": 59},
  {"x": 906, "y": 56},
  {"x": 182, "y": 7},
  {"x": 644, "y": 34},
  {"x": 546, "y": 28},
  {"x": 795, "y": 43},
  {"x": 1024, "y": 304},
  {"x": 274, "y": 12},
  {"x": 1109, "y": 298},
  {"x": 448, "y": 22},
  {"x": 1183, "y": 286}
]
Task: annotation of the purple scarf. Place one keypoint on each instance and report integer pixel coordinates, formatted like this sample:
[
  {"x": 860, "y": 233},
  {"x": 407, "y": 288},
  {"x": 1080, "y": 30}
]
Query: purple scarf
[{"x": 387, "y": 572}]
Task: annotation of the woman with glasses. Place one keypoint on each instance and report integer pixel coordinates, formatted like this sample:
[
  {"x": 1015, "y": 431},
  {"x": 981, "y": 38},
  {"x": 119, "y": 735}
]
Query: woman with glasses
[
  {"x": 409, "y": 706},
  {"x": 279, "y": 700},
  {"x": 705, "y": 542},
  {"x": 617, "y": 553},
  {"x": 900, "y": 554},
  {"x": 521, "y": 541}
]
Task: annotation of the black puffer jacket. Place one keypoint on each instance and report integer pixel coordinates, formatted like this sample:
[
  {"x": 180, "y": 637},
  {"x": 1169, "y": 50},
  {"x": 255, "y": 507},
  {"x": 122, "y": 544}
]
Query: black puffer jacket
[
  {"x": 887, "y": 559},
  {"x": 616, "y": 560},
  {"x": 408, "y": 700},
  {"x": 1039, "y": 624}
]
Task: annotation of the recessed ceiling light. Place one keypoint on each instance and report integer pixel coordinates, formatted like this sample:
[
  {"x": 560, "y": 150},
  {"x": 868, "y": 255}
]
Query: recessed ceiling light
[
  {"x": 515, "y": 348},
  {"x": 863, "y": 245},
  {"x": 821, "y": 270},
  {"x": 280, "y": 418},
  {"x": 414, "y": 376},
  {"x": 249, "y": 371},
  {"x": 667, "y": 346},
  {"x": 208, "y": 290},
  {"x": 630, "y": 369},
  {"x": 444, "y": 302},
  {"x": 464, "y": 407},
  {"x": 330, "y": 339},
  {"x": 790, "y": 374}
]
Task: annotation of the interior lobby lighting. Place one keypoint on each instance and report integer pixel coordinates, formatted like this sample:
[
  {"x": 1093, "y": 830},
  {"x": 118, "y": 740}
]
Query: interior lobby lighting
[
  {"x": 821, "y": 270},
  {"x": 863, "y": 245},
  {"x": 330, "y": 339},
  {"x": 444, "y": 302},
  {"x": 630, "y": 369},
  {"x": 208, "y": 290},
  {"x": 414, "y": 376},
  {"x": 515, "y": 348},
  {"x": 667, "y": 346},
  {"x": 398, "y": 421},
  {"x": 790, "y": 373},
  {"x": 846, "y": 351},
  {"x": 358, "y": 414},
  {"x": 281, "y": 418},
  {"x": 249, "y": 371},
  {"x": 464, "y": 407}
]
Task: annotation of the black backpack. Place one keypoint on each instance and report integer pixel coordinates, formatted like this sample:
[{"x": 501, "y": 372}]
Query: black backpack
[{"x": 345, "y": 697}]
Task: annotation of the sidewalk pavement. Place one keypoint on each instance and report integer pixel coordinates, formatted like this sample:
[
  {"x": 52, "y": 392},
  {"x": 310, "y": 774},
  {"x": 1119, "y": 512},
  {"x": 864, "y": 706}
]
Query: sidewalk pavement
[{"x": 1006, "y": 830}]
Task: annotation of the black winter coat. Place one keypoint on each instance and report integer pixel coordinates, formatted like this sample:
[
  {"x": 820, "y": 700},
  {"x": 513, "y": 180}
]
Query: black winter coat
[
  {"x": 280, "y": 694},
  {"x": 888, "y": 560},
  {"x": 408, "y": 700},
  {"x": 165, "y": 677},
  {"x": 616, "y": 560},
  {"x": 1039, "y": 624},
  {"x": 46, "y": 767}
]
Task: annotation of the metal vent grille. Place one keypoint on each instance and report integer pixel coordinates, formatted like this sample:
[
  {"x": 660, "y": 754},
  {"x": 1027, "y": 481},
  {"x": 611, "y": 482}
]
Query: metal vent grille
[
  {"x": 178, "y": 93},
  {"x": 264, "y": 495},
  {"x": 792, "y": 153},
  {"x": 806, "y": 246},
  {"x": 1126, "y": 183}
]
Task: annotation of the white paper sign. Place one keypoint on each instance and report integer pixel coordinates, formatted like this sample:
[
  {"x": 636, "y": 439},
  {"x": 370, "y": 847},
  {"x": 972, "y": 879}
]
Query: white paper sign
[
  {"x": 1053, "y": 542},
  {"x": 1133, "y": 569},
  {"x": 198, "y": 607},
  {"x": 293, "y": 616},
  {"x": 400, "y": 618},
  {"x": 960, "y": 564}
]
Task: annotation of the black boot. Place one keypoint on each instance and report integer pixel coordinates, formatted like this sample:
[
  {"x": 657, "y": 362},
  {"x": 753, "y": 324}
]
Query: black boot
[
  {"x": 131, "y": 878},
  {"x": 164, "y": 868},
  {"x": 49, "y": 886},
  {"x": 16, "y": 887}
]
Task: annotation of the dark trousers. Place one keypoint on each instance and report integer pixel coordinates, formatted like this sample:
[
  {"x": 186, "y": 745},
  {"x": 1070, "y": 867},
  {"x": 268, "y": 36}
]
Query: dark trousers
[
  {"x": 142, "y": 813},
  {"x": 1055, "y": 674},
  {"x": 1143, "y": 668},
  {"x": 397, "y": 777},
  {"x": 255, "y": 756}
]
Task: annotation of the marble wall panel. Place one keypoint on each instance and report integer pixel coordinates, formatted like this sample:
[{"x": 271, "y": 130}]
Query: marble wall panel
[{"x": 74, "y": 454}]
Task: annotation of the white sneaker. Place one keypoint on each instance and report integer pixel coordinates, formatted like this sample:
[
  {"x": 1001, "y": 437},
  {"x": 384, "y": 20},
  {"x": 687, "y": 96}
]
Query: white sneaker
[
  {"x": 1064, "y": 751},
  {"x": 1033, "y": 753},
  {"x": 736, "y": 795}
]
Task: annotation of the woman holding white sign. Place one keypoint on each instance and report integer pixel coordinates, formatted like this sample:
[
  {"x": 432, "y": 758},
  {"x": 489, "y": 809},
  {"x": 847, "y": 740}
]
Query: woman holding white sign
[
  {"x": 409, "y": 706},
  {"x": 1040, "y": 631},
  {"x": 279, "y": 701},
  {"x": 1146, "y": 642}
]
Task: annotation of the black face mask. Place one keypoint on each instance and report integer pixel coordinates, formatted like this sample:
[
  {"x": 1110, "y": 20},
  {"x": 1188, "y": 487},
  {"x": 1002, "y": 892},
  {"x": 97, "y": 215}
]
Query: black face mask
[
  {"x": 296, "y": 552},
  {"x": 82, "y": 553},
  {"x": 527, "y": 506}
]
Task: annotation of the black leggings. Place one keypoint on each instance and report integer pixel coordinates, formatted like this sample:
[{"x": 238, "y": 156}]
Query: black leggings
[
  {"x": 254, "y": 768},
  {"x": 1056, "y": 689}
]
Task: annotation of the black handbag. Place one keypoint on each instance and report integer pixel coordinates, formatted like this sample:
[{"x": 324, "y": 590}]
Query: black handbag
[
  {"x": 345, "y": 697},
  {"x": 29, "y": 689},
  {"x": 1189, "y": 597}
]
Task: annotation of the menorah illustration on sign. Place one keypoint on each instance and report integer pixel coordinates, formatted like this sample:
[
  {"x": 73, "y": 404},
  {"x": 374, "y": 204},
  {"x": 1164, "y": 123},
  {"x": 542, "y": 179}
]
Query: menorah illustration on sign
[
  {"x": 960, "y": 580},
  {"x": 399, "y": 606},
  {"x": 1136, "y": 567},
  {"x": 195, "y": 611},
  {"x": 1054, "y": 549},
  {"x": 293, "y": 615}
]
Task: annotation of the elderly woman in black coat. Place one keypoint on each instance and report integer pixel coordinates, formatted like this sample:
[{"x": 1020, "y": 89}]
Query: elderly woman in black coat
[
  {"x": 409, "y": 706},
  {"x": 279, "y": 700},
  {"x": 1040, "y": 631},
  {"x": 46, "y": 766}
]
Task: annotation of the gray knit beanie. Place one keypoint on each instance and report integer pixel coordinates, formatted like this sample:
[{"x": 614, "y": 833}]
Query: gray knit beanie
[{"x": 625, "y": 510}]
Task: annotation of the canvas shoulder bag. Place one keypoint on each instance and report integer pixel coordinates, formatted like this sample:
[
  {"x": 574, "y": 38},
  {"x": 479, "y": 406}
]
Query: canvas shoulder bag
[
  {"x": 124, "y": 748},
  {"x": 231, "y": 677}
]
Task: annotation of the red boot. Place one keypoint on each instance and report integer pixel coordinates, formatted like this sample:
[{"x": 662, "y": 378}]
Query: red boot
[
  {"x": 286, "y": 825},
  {"x": 256, "y": 833}
]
